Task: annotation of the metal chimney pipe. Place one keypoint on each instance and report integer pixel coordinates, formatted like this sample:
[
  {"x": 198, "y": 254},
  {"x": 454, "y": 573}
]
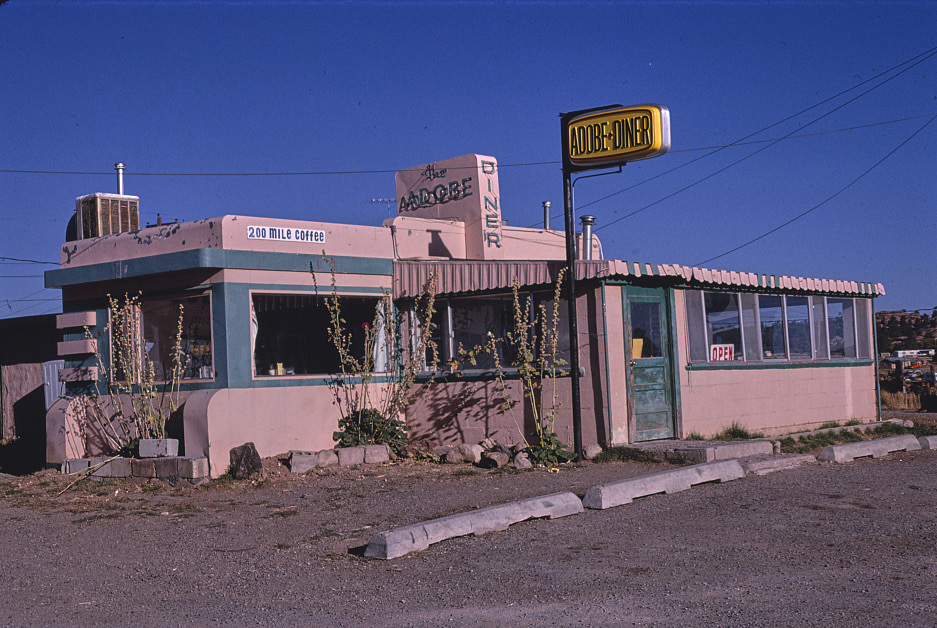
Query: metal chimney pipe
[
  {"x": 546, "y": 214},
  {"x": 119, "y": 167},
  {"x": 587, "y": 222}
]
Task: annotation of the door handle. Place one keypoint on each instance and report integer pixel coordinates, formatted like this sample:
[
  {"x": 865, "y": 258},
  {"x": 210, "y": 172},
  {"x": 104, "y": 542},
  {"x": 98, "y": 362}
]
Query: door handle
[{"x": 632, "y": 364}]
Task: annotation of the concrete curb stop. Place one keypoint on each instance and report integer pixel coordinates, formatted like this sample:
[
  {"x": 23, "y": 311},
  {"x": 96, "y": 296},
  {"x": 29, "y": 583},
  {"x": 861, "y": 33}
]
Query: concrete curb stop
[
  {"x": 624, "y": 491},
  {"x": 928, "y": 442},
  {"x": 413, "y": 538},
  {"x": 847, "y": 452}
]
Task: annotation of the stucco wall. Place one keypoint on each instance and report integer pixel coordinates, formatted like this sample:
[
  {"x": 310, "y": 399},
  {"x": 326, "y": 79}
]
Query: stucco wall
[
  {"x": 275, "y": 419},
  {"x": 769, "y": 400}
]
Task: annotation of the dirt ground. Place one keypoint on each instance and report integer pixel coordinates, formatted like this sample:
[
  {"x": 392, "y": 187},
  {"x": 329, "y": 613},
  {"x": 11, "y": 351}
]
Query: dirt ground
[{"x": 824, "y": 544}]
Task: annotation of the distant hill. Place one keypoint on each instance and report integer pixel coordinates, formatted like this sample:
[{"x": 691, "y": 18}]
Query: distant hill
[{"x": 899, "y": 330}]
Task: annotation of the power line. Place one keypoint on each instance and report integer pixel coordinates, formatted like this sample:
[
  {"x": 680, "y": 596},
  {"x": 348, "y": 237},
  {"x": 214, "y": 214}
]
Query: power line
[
  {"x": 17, "y": 260},
  {"x": 823, "y": 202},
  {"x": 930, "y": 53}
]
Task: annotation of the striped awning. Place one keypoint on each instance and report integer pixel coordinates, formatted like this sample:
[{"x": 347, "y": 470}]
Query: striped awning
[{"x": 461, "y": 276}]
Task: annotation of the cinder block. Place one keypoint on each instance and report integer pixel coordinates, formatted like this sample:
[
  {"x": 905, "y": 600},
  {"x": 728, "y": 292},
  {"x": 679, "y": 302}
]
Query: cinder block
[
  {"x": 76, "y": 465},
  {"x": 303, "y": 461},
  {"x": 350, "y": 456},
  {"x": 118, "y": 468},
  {"x": 327, "y": 458},
  {"x": 374, "y": 454},
  {"x": 158, "y": 447},
  {"x": 192, "y": 468},
  {"x": 143, "y": 468},
  {"x": 166, "y": 468}
]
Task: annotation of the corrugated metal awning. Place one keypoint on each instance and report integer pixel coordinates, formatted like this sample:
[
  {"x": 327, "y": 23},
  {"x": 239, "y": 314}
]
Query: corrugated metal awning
[{"x": 460, "y": 276}]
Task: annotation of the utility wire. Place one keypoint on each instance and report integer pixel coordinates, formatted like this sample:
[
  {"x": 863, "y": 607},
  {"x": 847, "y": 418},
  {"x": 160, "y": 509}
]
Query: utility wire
[
  {"x": 824, "y": 201},
  {"x": 929, "y": 54}
]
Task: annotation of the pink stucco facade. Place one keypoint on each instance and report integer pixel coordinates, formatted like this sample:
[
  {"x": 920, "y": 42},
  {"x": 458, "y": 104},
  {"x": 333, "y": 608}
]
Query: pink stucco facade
[{"x": 450, "y": 226}]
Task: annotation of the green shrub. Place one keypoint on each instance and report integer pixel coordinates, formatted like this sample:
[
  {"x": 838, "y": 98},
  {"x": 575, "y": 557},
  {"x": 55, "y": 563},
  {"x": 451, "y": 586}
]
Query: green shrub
[
  {"x": 549, "y": 451},
  {"x": 370, "y": 427},
  {"x": 736, "y": 432}
]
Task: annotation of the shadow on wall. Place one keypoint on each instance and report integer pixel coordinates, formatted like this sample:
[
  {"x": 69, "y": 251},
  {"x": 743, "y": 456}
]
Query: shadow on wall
[
  {"x": 27, "y": 451},
  {"x": 449, "y": 413}
]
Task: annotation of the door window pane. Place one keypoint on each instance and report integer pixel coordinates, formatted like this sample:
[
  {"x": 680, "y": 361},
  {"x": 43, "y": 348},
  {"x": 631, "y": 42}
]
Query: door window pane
[
  {"x": 722, "y": 321},
  {"x": 798, "y": 327},
  {"x": 771, "y": 316},
  {"x": 841, "y": 321},
  {"x": 645, "y": 330},
  {"x": 818, "y": 311},
  {"x": 750, "y": 330}
]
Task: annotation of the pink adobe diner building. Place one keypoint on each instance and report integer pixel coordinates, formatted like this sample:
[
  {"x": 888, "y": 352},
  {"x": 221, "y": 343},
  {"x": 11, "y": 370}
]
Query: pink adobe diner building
[{"x": 665, "y": 350}]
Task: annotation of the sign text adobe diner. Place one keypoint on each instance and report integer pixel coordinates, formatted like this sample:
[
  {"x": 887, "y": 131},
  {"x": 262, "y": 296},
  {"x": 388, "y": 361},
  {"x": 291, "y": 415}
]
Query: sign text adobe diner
[{"x": 618, "y": 135}]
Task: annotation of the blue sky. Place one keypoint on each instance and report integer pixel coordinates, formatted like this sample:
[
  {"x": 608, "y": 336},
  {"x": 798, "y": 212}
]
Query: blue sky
[{"x": 358, "y": 90}]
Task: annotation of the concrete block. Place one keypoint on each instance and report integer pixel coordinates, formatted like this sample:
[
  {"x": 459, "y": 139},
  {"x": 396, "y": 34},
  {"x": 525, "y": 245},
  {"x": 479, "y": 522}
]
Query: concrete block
[
  {"x": 158, "y": 447},
  {"x": 763, "y": 465},
  {"x": 193, "y": 468},
  {"x": 710, "y": 452},
  {"x": 328, "y": 458},
  {"x": 166, "y": 468},
  {"x": 413, "y": 538},
  {"x": 847, "y": 452},
  {"x": 118, "y": 468},
  {"x": 350, "y": 456},
  {"x": 303, "y": 461},
  {"x": 928, "y": 442},
  {"x": 143, "y": 468},
  {"x": 374, "y": 454},
  {"x": 672, "y": 481},
  {"x": 76, "y": 465}
]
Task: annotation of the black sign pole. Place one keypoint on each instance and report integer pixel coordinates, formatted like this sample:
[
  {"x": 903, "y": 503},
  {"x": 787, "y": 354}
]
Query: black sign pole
[{"x": 571, "y": 286}]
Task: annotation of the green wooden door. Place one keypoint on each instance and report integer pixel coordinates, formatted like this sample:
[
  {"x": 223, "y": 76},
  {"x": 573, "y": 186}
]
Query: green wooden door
[{"x": 648, "y": 344}]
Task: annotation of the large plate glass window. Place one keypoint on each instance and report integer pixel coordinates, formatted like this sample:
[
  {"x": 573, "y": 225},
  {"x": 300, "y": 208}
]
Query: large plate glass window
[
  {"x": 291, "y": 336},
  {"x": 160, "y": 318},
  {"x": 723, "y": 326}
]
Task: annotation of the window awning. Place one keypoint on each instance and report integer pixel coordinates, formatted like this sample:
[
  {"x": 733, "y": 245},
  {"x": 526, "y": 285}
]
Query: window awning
[{"x": 458, "y": 276}]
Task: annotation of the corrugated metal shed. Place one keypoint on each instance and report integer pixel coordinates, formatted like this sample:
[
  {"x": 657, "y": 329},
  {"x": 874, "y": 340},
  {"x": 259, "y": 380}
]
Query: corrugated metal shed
[{"x": 459, "y": 276}]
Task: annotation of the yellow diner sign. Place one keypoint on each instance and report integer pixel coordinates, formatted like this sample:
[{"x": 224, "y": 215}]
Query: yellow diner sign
[{"x": 616, "y": 136}]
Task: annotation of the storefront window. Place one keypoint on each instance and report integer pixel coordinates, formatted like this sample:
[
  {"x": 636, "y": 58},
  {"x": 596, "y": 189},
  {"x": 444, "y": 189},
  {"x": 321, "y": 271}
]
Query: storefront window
[
  {"x": 161, "y": 327},
  {"x": 771, "y": 317},
  {"x": 723, "y": 328},
  {"x": 290, "y": 334},
  {"x": 764, "y": 327}
]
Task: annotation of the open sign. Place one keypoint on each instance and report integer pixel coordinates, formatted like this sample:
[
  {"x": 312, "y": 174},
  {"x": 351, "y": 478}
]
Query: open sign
[{"x": 720, "y": 353}]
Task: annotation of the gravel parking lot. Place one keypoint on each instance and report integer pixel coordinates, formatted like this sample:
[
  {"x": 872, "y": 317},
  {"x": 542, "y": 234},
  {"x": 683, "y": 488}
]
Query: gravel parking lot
[{"x": 824, "y": 544}]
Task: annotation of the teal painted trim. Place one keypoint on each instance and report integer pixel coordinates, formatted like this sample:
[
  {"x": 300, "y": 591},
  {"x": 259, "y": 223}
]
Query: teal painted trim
[
  {"x": 674, "y": 364},
  {"x": 322, "y": 291},
  {"x": 478, "y": 375},
  {"x": 754, "y": 366},
  {"x": 216, "y": 259},
  {"x": 312, "y": 380}
]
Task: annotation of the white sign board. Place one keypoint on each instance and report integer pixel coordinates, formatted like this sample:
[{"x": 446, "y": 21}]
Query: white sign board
[
  {"x": 720, "y": 353},
  {"x": 285, "y": 234}
]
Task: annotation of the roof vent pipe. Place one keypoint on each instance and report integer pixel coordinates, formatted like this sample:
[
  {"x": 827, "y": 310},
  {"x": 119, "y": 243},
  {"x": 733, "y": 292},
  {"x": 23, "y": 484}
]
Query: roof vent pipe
[
  {"x": 587, "y": 222},
  {"x": 119, "y": 167},
  {"x": 546, "y": 214}
]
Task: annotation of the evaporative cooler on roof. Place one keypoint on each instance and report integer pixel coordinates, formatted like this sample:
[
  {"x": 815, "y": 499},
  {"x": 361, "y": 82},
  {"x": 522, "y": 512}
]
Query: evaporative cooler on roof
[{"x": 103, "y": 214}]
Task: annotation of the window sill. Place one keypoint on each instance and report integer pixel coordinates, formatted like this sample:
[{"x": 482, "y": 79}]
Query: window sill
[
  {"x": 478, "y": 375},
  {"x": 744, "y": 366}
]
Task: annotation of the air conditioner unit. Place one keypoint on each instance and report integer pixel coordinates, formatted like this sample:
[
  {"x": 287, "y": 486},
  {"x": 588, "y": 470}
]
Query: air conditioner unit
[{"x": 103, "y": 214}]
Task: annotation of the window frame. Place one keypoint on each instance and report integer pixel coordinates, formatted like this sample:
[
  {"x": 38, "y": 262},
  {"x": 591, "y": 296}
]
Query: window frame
[{"x": 748, "y": 306}]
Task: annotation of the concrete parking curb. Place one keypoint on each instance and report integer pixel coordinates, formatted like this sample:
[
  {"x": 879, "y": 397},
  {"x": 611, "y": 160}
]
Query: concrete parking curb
[
  {"x": 412, "y": 538},
  {"x": 762, "y": 465},
  {"x": 624, "y": 491},
  {"x": 928, "y": 442},
  {"x": 847, "y": 452}
]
